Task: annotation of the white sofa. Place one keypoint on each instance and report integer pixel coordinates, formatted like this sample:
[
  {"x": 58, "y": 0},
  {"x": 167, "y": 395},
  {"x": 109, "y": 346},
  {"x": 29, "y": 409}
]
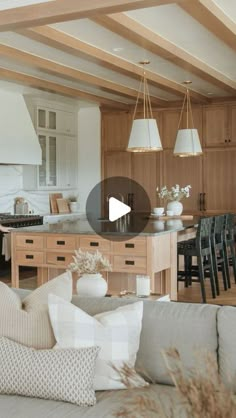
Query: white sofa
[{"x": 188, "y": 327}]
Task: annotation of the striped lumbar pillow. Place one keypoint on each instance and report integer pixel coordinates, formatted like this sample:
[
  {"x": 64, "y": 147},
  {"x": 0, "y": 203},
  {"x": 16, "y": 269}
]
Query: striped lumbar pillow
[
  {"x": 27, "y": 322},
  {"x": 116, "y": 332}
]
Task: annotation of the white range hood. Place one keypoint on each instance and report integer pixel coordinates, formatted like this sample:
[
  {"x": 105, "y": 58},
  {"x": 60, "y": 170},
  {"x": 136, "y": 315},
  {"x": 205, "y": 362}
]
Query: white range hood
[{"x": 18, "y": 140}]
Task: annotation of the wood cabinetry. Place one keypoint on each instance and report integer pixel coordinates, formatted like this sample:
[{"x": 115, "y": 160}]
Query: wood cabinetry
[
  {"x": 146, "y": 171},
  {"x": 220, "y": 180},
  {"x": 216, "y": 125},
  {"x": 184, "y": 171},
  {"x": 170, "y": 121},
  {"x": 141, "y": 254},
  {"x": 220, "y": 125},
  {"x": 117, "y": 163},
  {"x": 115, "y": 130}
]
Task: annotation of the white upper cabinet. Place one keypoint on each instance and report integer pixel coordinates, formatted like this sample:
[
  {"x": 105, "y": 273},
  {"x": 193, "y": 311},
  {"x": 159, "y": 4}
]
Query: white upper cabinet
[
  {"x": 60, "y": 121},
  {"x": 56, "y": 129}
]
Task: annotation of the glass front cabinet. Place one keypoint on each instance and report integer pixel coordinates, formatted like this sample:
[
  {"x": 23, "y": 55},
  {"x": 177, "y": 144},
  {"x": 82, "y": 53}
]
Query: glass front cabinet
[{"x": 56, "y": 129}]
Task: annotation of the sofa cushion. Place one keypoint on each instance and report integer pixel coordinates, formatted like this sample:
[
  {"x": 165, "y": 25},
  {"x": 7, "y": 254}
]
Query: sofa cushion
[
  {"x": 117, "y": 333},
  {"x": 227, "y": 345},
  {"x": 108, "y": 403},
  {"x": 186, "y": 326},
  {"x": 63, "y": 375},
  {"x": 27, "y": 321}
]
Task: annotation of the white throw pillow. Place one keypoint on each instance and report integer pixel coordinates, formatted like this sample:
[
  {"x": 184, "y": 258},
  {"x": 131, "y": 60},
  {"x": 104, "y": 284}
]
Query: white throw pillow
[{"x": 116, "y": 332}]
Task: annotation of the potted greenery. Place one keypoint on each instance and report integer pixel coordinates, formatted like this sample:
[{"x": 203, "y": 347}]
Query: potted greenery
[
  {"x": 73, "y": 203},
  {"x": 89, "y": 267}
]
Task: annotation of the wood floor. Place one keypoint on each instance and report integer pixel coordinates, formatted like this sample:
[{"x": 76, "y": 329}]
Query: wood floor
[{"x": 190, "y": 294}]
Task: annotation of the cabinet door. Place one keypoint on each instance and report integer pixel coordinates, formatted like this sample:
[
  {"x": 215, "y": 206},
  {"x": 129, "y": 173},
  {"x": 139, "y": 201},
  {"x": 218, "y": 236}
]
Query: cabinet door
[
  {"x": 215, "y": 125},
  {"x": 46, "y": 119},
  {"x": 184, "y": 171},
  {"x": 117, "y": 164},
  {"x": 232, "y": 125},
  {"x": 47, "y": 172},
  {"x": 67, "y": 162},
  {"x": 220, "y": 180},
  {"x": 66, "y": 122},
  {"x": 170, "y": 122},
  {"x": 146, "y": 172},
  {"x": 115, "y": 130}
]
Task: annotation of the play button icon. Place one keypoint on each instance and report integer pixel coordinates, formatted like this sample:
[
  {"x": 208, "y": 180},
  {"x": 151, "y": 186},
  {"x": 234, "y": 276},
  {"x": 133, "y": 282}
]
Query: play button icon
[{"x": 117, "y": 209}]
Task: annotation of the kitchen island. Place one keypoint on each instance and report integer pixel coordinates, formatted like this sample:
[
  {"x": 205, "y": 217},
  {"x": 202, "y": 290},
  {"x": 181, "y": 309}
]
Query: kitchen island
[{"x": 154, "y": 250}]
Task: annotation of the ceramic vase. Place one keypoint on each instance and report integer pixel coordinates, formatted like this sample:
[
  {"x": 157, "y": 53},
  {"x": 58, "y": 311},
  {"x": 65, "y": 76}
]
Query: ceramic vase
[
  {"x": 73, "y": 206},
  {"x": 176, "y": 207},
  {"x": 91, "y": 285}
]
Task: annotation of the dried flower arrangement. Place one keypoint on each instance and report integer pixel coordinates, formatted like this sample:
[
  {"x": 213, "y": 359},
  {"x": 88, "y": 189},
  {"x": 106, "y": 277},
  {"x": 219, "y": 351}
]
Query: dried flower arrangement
[
  {"x": 175, "y": 193},
  {"x": 201, "y": 393},
  {"x": 89, "y": 263}
]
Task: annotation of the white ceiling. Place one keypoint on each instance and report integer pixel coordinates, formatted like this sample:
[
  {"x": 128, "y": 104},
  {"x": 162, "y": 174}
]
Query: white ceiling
[{"x": 169, "y": 21}]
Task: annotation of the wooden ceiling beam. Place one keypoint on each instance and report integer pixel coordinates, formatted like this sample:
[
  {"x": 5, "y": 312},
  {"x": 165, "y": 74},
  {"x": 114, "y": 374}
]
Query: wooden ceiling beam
[
  {"x": 214, "y": 19},
  {"x": 74, "y": 46},
  {"x": 133, "y": 31},
  {"x": 62, "y": 11},
  {"x": 51, "y": 87},
  {"x": 69, "y": 73}
]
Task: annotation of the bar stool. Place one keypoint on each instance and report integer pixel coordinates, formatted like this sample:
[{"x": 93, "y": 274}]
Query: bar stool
[
  {"x": 218, "y": 251},
  {"x": 199, "y": 247},
  {"x": 230, "y": 254}
]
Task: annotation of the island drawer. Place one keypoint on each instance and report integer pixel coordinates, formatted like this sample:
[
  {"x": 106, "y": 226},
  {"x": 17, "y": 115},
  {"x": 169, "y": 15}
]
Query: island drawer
[
  {"x": 29, "y": 257},
  {"x": 94, "y": 243},
  {"x": 59, "y": 258},
  {"x": 132, "y": 246},
  {"x": 129, "y": 264},
  {"x": 29, "y": 241},
  {"x": 62, "y": 242}
]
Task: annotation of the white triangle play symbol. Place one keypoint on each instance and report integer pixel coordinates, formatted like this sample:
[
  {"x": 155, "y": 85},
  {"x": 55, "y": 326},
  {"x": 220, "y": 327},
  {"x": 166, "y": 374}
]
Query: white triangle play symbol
[{"x": 117, "y": 209}]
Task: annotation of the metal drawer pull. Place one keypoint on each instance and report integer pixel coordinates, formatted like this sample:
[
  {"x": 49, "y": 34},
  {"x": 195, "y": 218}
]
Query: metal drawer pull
[
  {"x": 60, "y": 258},
  {"x": 29, "y": 256},
  {"x": 129, "y": 245},
  {"x": 129, "y": 262},
  {"x": 94, "y": 244},
  {"x": 60, "y": 242},
  {"x": 29, "y": 241}
]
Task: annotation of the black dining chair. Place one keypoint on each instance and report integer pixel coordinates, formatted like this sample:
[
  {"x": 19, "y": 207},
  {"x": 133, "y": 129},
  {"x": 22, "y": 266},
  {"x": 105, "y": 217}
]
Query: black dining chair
[
  {"x": 218, "y": 252},
  {"x": 201, "y": 248},
  {"x": 230, "y": 252}
]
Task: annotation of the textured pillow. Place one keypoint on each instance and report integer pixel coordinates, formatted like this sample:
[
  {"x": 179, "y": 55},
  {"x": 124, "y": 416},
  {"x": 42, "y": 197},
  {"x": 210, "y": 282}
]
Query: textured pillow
[
  {"x": 117, "y": 333},
  {"x": 61, "y": 375},
  {"x": 27, "y": 321}
]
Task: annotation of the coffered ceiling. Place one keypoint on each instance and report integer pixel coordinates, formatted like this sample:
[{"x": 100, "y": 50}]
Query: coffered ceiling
[{"x": 90, "y": 50}]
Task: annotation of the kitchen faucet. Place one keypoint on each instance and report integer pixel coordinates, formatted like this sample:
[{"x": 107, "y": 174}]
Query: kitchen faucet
[{"x": 115, "y": 194}]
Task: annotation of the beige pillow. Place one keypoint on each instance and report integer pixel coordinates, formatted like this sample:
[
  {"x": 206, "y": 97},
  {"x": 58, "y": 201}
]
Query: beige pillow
[
  {"x": 27, "y": 322},
  {"x": 61, "y": 375}
]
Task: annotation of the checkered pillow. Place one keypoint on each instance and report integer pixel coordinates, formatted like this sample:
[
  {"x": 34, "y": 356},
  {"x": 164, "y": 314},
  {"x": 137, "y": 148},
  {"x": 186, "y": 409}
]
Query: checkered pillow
[{"x": 117, "y": 333}]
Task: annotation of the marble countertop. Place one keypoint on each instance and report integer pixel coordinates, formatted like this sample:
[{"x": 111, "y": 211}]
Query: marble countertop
[{"x": 121, "y": 227}]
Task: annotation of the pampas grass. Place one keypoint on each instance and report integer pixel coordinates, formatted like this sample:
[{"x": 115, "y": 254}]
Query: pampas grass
[{"x": 200, "y": 390}]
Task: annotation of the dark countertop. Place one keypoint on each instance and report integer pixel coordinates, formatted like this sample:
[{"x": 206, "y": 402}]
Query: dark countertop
[{"x": 82, "y": 226}]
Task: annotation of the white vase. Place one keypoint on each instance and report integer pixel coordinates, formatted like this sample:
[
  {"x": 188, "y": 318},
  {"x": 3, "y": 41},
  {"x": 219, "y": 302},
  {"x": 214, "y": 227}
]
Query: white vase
[
  {"x": 176, "y": 207},
  {"x": 91, "y": 285}
]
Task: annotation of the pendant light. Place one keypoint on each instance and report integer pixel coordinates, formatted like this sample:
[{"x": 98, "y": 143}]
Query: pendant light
[
  {"x": 144, "y": 136},
  {"x": 187, "y": 142}
]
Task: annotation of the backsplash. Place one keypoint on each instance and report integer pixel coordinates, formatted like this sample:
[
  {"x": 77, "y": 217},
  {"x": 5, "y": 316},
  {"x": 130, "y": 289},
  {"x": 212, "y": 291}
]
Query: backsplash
[{"x": 11, "y": 187}]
